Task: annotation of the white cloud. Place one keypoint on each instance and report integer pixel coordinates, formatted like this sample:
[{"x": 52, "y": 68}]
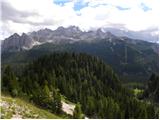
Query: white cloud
[
  {"x": 135, "y": 18},
  {"x": 28, "y": 15}
]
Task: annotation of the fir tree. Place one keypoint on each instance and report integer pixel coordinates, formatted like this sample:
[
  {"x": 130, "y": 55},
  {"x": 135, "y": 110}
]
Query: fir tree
[{"x": 77, "y": 114}]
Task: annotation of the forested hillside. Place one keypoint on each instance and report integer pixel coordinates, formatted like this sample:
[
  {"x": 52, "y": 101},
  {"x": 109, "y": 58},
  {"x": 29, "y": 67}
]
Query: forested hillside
[
  {"x": 82, "y": 79},
  {"x": 132, "y": 60},
  {"x": 152, "y": 90}
]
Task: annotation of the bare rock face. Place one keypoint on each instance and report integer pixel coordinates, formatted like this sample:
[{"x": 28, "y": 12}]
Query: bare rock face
[
  {"x": 59, "y": 36},
  {"x": 11, "y": 43},
  {"x": 17, "y": 43},
  {"x": 26, "y": 41}
]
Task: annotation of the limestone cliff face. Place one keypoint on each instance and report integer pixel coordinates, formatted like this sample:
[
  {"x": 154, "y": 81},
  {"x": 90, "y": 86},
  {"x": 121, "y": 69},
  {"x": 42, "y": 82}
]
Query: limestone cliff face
[
  {"x": 17, "y": 43},
  {"x": 59, "y": 36}
]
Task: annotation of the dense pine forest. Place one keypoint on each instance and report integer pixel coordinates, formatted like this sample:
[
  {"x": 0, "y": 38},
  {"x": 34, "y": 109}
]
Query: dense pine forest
[{"x": 83, "y": 79}]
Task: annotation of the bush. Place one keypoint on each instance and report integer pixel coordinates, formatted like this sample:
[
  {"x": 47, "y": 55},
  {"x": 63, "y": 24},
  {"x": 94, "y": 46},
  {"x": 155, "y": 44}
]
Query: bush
[{"x": 14, "y": 93}]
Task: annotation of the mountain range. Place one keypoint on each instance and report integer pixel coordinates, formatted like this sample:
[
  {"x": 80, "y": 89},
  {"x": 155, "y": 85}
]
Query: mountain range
[
  {"x": 132, "y": 59},
  {"x": 64, "y": 35},
  {"x": 149, "y": 35}
]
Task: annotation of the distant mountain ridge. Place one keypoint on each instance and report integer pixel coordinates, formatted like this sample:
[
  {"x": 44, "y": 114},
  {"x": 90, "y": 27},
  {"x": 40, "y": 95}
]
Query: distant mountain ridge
[
  {"x": 59, "y": 36},
  {"x": 150, "y": 35}
]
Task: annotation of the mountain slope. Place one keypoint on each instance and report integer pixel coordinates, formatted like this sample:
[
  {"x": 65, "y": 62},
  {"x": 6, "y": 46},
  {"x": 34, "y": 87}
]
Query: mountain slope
[
  {"x": 134, "y": 60},
  {"x": 82, "y": 79},
  {"x": 17, "y": 108},
  {"x": 152, "y": 90},
  {"x": 150, "y": 35},
  {"x": 131, "y": 59}
]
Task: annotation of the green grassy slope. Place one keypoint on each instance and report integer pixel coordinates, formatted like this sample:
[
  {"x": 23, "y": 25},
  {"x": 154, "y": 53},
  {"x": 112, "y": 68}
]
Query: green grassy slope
[{"x": 18, "y": 108}]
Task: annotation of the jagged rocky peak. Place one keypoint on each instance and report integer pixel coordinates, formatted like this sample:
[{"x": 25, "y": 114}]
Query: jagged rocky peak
[
  {"x": 15, "y": 35},
  {"x": 69, "y": 34},
  {"x": 99, "y": 30},
  {"x": 40, "y": 32},
  {"x": 42, "y": 35},
  {"x": 109, "y": 33},
  {"x": 24, "y": 35},
  {"x": 45, "y": 30},
  {"x": 69, "y": 29},
  {"x": 75, "y": 28},
  {"x": 11, "y": 41},
  {"x": 26, "y": 41},
  {"x": 25, "y": 38},
  {"x": 59, "y": 31},
  {"x": 100, "y": 33},
  {"x": 60, "y": 28}
]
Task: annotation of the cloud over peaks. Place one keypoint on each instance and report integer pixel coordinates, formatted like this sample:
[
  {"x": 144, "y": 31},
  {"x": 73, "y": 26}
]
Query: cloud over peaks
[{"x": 28, "y": 15}]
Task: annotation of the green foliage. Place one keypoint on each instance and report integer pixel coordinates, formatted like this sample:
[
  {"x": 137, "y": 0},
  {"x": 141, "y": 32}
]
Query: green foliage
[
  {"x": 138, "y": 92},
  {"x": 152, "y": 90},
  {"x": 56, "y": 103},
  {"x": 14, "y": 92},
  {"x": 80, "y": 78},
  {"x": 10, "y": 82},
  {"x": 46, "y": 98},
  {"x": 77, "y": 114}
]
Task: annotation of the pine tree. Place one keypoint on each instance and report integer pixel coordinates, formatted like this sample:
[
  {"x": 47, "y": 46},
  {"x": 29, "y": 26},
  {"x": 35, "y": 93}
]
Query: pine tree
[
  {"x": 56, "y": 103},
  {"x": 14, "y": 88},
  {"x": 77, "y": 114},
  {"x": 90, "y": 106},
  {"x": 46, "y": 97},
  {"x": 10, "y": 82}
]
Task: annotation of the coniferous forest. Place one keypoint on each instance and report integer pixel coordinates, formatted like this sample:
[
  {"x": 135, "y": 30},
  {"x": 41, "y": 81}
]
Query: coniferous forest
[{"x": 82, "y": 79}]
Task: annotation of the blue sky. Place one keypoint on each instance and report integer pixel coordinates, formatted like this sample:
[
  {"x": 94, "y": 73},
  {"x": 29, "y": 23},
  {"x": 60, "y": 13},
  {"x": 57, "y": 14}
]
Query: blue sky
[
  {"x": 30, "y": 15},
  {"x": 60, "y": 2},
  {"x": 122, "y": 8},
  {"x": 145, "y": 7},
  {"x": 79, "y": 4}
]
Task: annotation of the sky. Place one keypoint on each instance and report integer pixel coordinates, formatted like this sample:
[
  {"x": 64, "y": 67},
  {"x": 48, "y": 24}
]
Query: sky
[{"x": 18, "y": 16}]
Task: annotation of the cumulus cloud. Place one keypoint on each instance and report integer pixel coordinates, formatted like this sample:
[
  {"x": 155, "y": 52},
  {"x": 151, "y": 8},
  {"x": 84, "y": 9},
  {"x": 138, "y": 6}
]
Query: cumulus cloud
[
  {"x": 14, "y": 15},
  {"x": 29, "y": 15}
]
